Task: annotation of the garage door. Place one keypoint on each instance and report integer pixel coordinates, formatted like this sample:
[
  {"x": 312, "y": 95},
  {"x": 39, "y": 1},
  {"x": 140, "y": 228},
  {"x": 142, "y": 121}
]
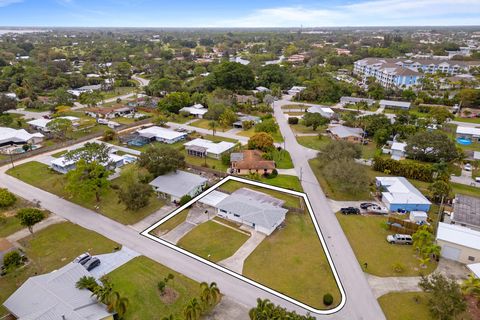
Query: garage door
[{"x": 450, "y": 253}]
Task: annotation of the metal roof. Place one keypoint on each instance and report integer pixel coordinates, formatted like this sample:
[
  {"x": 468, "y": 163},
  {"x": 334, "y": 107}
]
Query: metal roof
[
  {"x": 466, "y": 210},
  {"x": 162, "y": 133},
  {"x": 211, "y": 147},
  {"x": 401, "y": 191},
  {"x": 458, "y": 235},
  {"x": 178, "y": 183}
]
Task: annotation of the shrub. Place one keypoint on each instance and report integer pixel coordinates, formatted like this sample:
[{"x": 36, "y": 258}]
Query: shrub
[
  {"x": 292, "y": 120},
  {"x": 226, "y": 159},
  {"x": 273, "y": 174},
  {"x": 398, "y": 267},
  {"x": 6, "y": 198},
  {"x": 161, "y": 286},
  {"x": 109, "y": 135},
  {"x": 327, "y": 299},
  {"x": 185, "y": 199},
  {"x": 12, "y": 260}
]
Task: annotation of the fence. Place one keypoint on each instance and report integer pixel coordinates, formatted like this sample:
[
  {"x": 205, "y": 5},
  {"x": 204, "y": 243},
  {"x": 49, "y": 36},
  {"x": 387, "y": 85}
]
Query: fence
[
  {"x": 401, "y": 226},
  {"x": 64, "y": 144}
]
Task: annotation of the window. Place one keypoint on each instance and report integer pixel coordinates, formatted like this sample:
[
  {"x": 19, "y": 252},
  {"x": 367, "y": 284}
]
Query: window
[
  {"x": 470, "y": 258},
  {"x": 236, "y": 215},
  {"x": 223, "y": 211}
]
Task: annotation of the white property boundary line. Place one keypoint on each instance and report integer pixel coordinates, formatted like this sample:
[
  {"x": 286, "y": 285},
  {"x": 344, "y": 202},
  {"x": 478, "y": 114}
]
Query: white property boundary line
[{"x": 147, "y": 234}]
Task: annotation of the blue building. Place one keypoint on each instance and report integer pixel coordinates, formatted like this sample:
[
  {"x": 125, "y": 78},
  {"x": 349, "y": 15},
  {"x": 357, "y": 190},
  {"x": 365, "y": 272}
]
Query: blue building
[{"x": 398, "y": 194}]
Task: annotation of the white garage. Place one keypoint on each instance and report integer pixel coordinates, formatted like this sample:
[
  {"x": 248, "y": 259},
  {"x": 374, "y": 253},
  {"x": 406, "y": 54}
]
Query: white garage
[{"x": 458, "y": 243}]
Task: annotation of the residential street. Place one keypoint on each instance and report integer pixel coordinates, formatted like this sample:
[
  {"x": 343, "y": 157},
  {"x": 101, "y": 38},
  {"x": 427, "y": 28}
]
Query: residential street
[{"x": 361, "y": 303}]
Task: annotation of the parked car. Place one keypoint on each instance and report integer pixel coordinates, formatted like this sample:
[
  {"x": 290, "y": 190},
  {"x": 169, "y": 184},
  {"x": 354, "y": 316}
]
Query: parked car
[
  {"x": 350, "y": 210},
  {"x": 399, "y": 239},
  {"x": 366, "y": 205},
  {"x": 477, "y": 179},
  {"x": 377, "y": 209},
  {"x": 92, "y": 264},
  {"x": 467, "y": 167},
  {"x": 83, "y": 258}
]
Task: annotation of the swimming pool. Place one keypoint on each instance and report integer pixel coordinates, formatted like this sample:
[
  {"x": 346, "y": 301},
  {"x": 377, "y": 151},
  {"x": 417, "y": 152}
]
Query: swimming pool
[{"x": 464, "y": 141}]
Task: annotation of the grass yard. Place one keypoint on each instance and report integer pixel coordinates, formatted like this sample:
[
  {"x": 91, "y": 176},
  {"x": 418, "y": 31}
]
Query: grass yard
[
  {"x": 137, "y": 280},
  {"x": 295, "y": 106},
  {"x": 171, "y": 223},
  {"x": 297, "y": 265},
  {"x": 314, "y": 142},
  {"x": 295, "y": 113},
  {"x": 405, "y": 306},
  {"x": 367, "y": 236},
  {"x": 282, "y": 159},
  {"x": 369, "y": 150},
  {"x": 300, "y": 128},
  {"x": 284, "y": 181},
  {"x": 118, "y": 91},
  {"x": 469, "y": 120},
  {"x": 213, "y": 138},
  {"x": 331, "y": 187},
  {"x": 59, "y": 154},
  {"x": 50, "y": 249},
  {"x": 12, "y": 224},
  {"x": 213, "y": 241},
  {"x": 210, "y": 162},
  {"x": 203, "y": 123},
  {"x": 277, "y": 136},
  {"x": 290, "y": 200},
  {"x": 41, "y": 176}
]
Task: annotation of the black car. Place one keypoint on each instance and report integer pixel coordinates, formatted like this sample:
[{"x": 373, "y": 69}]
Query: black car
[
  {"x": 92, "y": 264},
  {"x": 350, "y": 210},
  {"x": 366, "y": 205}
]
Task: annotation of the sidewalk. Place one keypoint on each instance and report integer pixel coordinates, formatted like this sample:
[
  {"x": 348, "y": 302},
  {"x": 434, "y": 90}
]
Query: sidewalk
[{"x": 52, "y": 219}]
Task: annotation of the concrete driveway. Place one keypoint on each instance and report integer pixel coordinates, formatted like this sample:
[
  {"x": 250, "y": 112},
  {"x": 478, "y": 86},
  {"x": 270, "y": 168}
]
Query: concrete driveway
[{"x": 111, "y": 261}]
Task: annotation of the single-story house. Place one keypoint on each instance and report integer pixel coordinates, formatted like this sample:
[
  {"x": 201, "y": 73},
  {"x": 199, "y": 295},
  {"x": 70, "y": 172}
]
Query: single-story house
[
  {"x": 239, "y": 123},
  {"x": 175, "y": 185},
  {"x": 470, "y": 133},
  {"x": 255, "y": 209},
  {"x": 41, "y": 124},
  {"x": 399, "y": 194},
  {"x": 262, "y": 89},
  {"x": 458, "y": 243},
  {"x": 466, "y": 212},
  {"x": 325, "y": 112},
  {"x": 55, "y": 296},
  {"x": 78, "y": 91},
  {"x": 110, "y": 113},
  {"x": 212, "y": 199},
  {"x": 390, "y": 104},
  {"x": 295, "y": 89},
  {"x": 197, "y": 110},
  {"x": 354, "y": 100},
  {"x": 162, "y": 134},
  {"x": 206, "y": 148},
  {"x": 63, "y": 165},
  {"x": 9, "y": 136},
  {"x": 354, "y": 135},
  {"x": 398, "y": 150},
  {"x": 250, "y": 161}
]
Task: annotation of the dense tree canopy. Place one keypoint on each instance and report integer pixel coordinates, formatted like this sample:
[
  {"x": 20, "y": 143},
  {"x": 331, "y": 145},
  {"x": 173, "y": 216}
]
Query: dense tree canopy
[
  {"x": 431, "y": 146},
  {"x": 232, "y": 76},
  {"x": 161, "y": 159}
]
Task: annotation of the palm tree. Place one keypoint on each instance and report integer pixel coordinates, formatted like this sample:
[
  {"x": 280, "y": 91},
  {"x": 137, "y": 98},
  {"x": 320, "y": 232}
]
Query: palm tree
[
  {"x": 193, "y": 310},
  {"x": 121, "y": 306},
  {"x": 210, "y": 294},
  {"x": 213, "y": 125},
  {"x": 264, "y": 310},
  {"x": 88, "y": 283},
  {"x": 170, "y": 317},
  {"x": 103, "y": 293},
  {"x": 471, "y": 286}
]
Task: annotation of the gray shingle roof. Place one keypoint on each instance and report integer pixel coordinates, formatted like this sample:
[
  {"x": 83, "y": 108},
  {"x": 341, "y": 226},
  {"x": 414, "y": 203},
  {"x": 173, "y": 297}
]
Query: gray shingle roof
[
  {"x": 177, "y": 183},
  {"x": 466, "y": 210}
]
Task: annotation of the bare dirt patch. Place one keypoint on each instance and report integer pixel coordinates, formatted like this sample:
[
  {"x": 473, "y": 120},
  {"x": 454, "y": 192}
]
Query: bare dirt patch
[{"x": 169, "y": 296}]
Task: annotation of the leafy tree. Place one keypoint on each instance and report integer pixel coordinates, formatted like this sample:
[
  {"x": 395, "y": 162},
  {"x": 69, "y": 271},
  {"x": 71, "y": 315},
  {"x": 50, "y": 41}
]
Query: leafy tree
[
  {"x": 29, "y": 217},
  {"x": 86, "y": 282},
  {"x": 135, "y": 195},
  {"x": 88, "y": 180},
  {"x": 215, "y": 111},
  {"x": 431, "y": 146},
  {"x": 6, "y": 120},
  {"x": 123, "y": 71},
  {"x": 267, "y": 125},
  {"x": 274, "y": 74},
  {"x": 109, "y": 135},
  {"x": 90, "y": 152},
  {"x": 349, "y": 176},
  {"x": 469, "y": 97},
  {"x": 376, "y": 91},
  {"x": 212, "y": 125},
  {"x": 324, "y": 90},
  {"x": 60, "y": 127},
  {"x": 261, "y": 141},
  {"x": 161, "y": 159},
  {"x": 314, "y": 120},
  {"x": 7, "y": 103},
  {"x": 440, "y": 114},
  {"x": 12, "y": 260},
  {"x": 372, "y": 123},
  {"x": 6, "y": 198},
  {"x": 232, "y": 76},
  {"x": 227, "y": 118},
  {"x": 174, "y": 101},
  {"x": 471, "y": 286},
  {"x": 381, "y": 136},
  {"x": 193, "y": 310},
  {"x": 339, "y": 150},
  {"x": 446, "y": 301},
  {"x": 440, "y": 189}
]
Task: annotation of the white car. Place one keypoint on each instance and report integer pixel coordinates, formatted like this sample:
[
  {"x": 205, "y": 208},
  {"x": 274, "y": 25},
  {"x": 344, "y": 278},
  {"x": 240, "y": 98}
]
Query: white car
[{"x": 467, "y": 167}]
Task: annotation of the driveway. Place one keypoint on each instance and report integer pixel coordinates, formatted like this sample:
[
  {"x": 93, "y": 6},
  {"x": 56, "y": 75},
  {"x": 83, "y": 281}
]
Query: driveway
[
  {"x": 235, "y": 262},
  {"x": 111, "y": 261}
]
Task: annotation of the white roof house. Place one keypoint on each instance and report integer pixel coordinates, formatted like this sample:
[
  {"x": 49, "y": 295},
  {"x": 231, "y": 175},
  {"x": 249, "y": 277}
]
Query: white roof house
[
  {"x": 255, "y": 209},
  {"x": 162, "y": 134},
  {"x": 296, "y": 89},
  {"x": 179, "y": 183},
  {"x": 197, "y": 110},
  {"x": 343, "y": 132},
  {"x": 395, "y": 104},
  {"x": 324, "y": 111},
  {"x": 458, "y": 243},
  {"x": 213, "y": 198},
  {"x": 9, "y": 136},
  {"x": 41, "y": 124},
  {"x": 471, "y": 131},
  {"x": 63, "y": 165},
  {"x": 398, "y": 150},
  {"x": 400, "y": 194},
  {"x": 202, "y": 147},
  {"x": 54, "y": 296}
]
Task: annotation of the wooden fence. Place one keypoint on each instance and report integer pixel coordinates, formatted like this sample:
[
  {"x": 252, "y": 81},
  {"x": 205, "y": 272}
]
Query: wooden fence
[{"x": 401, "y": 226}]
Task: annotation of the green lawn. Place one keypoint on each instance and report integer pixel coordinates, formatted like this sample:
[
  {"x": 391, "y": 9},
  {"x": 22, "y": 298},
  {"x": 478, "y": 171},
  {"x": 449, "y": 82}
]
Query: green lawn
[
  {"x": 405, "y": 306},
  {"x": 282, "y": 159},
  {"x": 137, "y": 280},
  {"x": 277, "y": 136},
  {"x": 41, "y": 176},
  {"x": 369, "y": 150},
  {"x": 11, "y": 223},
  {"x": 330, "y": 188},
  {"x": 284, "y": 181},
  {"x": 50, "y": 249},
  {"x": 470, "y": 120},
  {"x": 214, "y": 138},
  {"x": 118, "y": 91},
  {"x": 203, "y": 123},
  {"x": 171, "y": 223},
  {"x": 367, "y": 236},
  {"x": 59, "y": 154},
  {"x": 290, "y": 200},
  {"x": 213, "y": 241},
  {"x": 208, "y": 162},
  {"x": 314, "y": 142},
  {"x": 300, "y": 128},
  {"x": 292, "y": 261}
]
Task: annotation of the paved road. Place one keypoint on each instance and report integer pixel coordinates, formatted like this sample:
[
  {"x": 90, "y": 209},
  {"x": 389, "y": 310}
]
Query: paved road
[
  {"x": 29, "y": 114},
  {"x": 143, "y": 82},
  {"x": 241, "y": 139},
  {"x": 361, "y": 303}
]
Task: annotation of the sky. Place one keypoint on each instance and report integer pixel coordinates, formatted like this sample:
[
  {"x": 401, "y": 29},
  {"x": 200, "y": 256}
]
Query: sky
[{"x": 243, "y": 13}]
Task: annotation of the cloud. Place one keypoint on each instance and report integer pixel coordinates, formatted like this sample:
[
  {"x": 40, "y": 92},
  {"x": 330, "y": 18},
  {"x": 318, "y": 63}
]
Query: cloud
[
  {"x": 366, "y": 13},
  {"x": 4, "y": 3}
]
